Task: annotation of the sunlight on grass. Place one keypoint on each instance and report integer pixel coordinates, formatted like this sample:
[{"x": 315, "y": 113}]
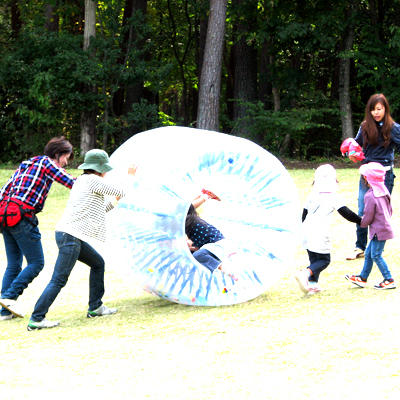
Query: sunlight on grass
[{"x": 341, "y": 343}]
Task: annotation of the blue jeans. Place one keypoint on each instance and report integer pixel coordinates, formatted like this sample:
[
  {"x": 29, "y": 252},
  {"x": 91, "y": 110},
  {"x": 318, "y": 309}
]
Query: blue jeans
[
  {"x": 362, "y": 233},
  {"x": 71, "y": 250},
  {"x": 207, "y": 259},
  {"x": 374, "y": 253},
  {"x": 21, "y": 240}
]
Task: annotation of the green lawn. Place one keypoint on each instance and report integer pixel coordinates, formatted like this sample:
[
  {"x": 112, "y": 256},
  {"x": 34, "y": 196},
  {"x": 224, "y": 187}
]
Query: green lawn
[{"x": 342, "y": 343}]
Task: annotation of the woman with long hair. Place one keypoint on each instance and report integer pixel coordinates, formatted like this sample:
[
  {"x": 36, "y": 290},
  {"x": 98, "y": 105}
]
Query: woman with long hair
[{"x": 379, "y": 137}]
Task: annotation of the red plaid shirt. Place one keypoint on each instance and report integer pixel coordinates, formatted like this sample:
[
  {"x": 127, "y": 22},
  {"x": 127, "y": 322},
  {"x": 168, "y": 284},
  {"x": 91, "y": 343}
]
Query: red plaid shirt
[{"x": 32, "y": 181}]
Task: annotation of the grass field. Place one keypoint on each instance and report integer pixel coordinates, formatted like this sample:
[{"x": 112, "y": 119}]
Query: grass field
[{"x": 342, "y": 343}]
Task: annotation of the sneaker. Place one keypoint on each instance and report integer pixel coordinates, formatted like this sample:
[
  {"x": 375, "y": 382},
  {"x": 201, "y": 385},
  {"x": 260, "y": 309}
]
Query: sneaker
[
  {"x": 210, "y": 194},
  {"x": 313, "y": 288},
  {"x": 357, "y": 280},
  {"x": 7, "y": 317},
  {"x": 356, "y": 253},
  {"x": 386, "y": 284},
  {"x": 102, "y": 310},
  {"x": 44, "y": 323},
  {"x": 302, "y": 280},
  {"x": 12, "y": 306}
]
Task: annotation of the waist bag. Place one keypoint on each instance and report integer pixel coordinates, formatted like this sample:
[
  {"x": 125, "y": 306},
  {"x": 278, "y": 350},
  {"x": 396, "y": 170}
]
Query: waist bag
[{"x": 13, "y": 211}]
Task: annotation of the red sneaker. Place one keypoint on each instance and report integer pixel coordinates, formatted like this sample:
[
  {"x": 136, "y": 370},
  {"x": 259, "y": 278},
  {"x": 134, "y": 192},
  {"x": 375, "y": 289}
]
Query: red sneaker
[
  {"x": 357, "y": 280},
  {"x": 210, "y": 194},
  {"x": 386, "y": 284}
]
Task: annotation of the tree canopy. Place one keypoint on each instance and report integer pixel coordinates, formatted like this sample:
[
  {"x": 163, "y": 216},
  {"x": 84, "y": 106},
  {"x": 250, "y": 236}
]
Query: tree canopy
[{"x": 295, "y": 75}]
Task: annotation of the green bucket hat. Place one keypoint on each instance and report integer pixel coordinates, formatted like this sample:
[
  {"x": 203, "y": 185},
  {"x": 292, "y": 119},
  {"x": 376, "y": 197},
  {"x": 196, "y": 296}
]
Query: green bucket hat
[{"x": 96, "y": 160}]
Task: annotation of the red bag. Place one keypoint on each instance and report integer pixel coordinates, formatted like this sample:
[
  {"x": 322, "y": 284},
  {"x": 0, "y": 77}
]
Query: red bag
[{"x": 13, "y": 210}]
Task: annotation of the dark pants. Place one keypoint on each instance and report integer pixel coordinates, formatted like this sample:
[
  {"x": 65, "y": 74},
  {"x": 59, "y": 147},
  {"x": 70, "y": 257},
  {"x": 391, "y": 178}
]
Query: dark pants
[
  {"x": 71, "y": 250},
  {"x": 318, "y": 262}
]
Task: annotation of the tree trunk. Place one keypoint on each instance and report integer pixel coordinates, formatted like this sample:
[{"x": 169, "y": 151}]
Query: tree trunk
[
  {"x": 52, "y": 19},
  {"x": 210, "y": 82},
  {"x": 16, "y": 22},
  {"x": 136, "y": 92},
  {"x": 245, "y": 77},
  {"x": 201, "y": 45},
  {"x": 88, "y": 119},
  {"x": 344, "y": 78},
  {"x": 265, "y": 86}
]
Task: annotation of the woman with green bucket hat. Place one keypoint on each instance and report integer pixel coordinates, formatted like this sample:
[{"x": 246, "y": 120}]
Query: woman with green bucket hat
[{"x": 84, "y": 219}]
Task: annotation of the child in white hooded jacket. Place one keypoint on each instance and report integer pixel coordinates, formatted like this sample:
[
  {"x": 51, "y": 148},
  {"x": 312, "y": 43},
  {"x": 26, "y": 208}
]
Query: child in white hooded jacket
[{"x": 317, "y": 219}]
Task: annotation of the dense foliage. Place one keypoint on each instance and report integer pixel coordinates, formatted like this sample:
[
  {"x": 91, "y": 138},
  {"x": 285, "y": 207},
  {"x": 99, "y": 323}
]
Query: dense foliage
[{"x": 145, "y": 63}]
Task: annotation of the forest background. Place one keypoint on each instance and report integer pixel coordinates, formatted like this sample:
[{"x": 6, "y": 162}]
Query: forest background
[{"x": 293, "y": 76}]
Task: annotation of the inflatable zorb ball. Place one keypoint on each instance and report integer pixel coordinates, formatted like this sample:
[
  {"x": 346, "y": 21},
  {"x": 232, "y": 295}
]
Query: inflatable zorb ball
[{"x": 258, "y": 213}]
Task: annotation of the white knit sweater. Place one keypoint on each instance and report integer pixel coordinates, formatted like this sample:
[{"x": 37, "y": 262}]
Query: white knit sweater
[{"x": 85, "y": 214}]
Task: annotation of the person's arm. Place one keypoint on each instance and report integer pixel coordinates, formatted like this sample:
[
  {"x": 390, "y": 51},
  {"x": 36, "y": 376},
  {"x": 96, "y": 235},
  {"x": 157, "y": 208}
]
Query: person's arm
[
  {"x": 199, "y": 200},
  {"x": 351, "y": 216},
  {"x": 305, "y": 212},
  {"x": 395, "y": 135},
  {"x": 58, "y": 174},
  {"x": 359, "y": 139},
  {"x": 369, "y": 212}
]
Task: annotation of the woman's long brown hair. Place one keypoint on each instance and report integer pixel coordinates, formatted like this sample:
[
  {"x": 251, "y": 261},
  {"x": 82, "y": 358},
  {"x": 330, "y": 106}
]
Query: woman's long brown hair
[{"x": 370, "y": 130}]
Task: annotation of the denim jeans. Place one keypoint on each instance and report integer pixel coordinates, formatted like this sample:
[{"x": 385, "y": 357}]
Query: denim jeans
[
  {"x": 362, "y": 233},
  {"x": 207, "y": 259},
  {"x": 374, "y": 253},
  {"x": 21, "y": 240},
  {"x": 71, "y": 250}
]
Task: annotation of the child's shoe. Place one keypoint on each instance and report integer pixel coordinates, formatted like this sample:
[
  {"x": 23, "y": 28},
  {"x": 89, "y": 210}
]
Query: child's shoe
[
  {"x": 210, "y": 194},
  {"x": 313, "y": 288},
  {"x": 302, "y": 280},
  {"x": 386, "y": 284},
  {"x": 357, "y": 280}
]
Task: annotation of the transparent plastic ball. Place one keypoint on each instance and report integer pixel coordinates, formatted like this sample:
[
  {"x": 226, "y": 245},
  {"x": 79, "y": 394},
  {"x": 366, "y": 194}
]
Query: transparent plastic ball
[{"x": 258, "y": 214}]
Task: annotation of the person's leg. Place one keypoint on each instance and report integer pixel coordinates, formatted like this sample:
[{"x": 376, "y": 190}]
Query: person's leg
[
  {"x": 377, "y": 248},
  {"x": 69, "y": 249},
  {"x": 319, "y": 263},
  {"x": 362, "y": 233},
  {"x": 89, "y": 256},
  {"x": 368, "y": 262},
  {"x": 207, "y": 259},
  {"x": 28, "y": 239},
  {"x": 14, "y": 264}
]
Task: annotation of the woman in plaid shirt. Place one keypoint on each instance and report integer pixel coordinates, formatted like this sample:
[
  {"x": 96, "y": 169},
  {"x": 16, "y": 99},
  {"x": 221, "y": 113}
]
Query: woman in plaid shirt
[{"x": 30, "y": 184}]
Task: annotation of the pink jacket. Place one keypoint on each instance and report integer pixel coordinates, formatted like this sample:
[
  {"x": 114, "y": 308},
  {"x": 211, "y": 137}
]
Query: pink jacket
[{"x": 377, "y": 215}]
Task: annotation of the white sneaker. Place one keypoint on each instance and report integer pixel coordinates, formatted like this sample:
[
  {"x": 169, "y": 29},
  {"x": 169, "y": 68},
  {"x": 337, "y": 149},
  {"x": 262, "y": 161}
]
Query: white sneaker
[
  {"x": 7, "y": 317},
  {"x": 12, "y": 306},
  {"x": 102, "y": 310},
  {"x": 356, "y": 253},
  {"x": 302, "y": 280},
  {"x": 44, "y": 323},
  {"x": 313, "y": 288}
]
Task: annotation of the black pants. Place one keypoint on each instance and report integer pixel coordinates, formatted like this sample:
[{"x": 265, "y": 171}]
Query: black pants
[{"x": 318, "y": 262}]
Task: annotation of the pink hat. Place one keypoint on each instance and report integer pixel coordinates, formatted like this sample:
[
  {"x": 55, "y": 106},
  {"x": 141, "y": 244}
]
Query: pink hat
[
  {"x": 353, "y": 148},
  {"x": 325, "y": 179},
  {"x": 375, "y": 175}
]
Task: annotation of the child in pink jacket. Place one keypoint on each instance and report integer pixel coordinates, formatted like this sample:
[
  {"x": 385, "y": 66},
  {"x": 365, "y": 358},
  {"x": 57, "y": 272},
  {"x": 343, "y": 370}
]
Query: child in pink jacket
[{"x": 377, "y": 215}]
